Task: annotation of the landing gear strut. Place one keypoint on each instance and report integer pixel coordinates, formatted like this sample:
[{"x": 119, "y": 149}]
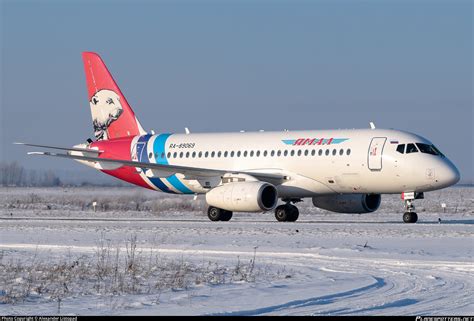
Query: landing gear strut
[
  {"x": 287, "y": 213},
  {"x": 410, "y": 216},
  {"x": 218, "y": 214}
]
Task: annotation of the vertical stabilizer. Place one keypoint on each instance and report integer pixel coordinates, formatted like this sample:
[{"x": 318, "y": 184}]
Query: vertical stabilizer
[{"x": 112, "y": 116}]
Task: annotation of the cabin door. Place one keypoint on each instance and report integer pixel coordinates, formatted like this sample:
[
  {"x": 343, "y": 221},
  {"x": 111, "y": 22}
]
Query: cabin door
[{"x": 375, "y": 153}]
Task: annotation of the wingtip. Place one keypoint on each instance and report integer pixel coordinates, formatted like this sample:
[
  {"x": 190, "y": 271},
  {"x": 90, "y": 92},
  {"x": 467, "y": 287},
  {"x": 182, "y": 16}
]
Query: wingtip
[{"x": 38, "y": 153}]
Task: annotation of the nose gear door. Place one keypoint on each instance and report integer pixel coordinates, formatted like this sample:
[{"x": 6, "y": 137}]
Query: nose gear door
[{"x": 374, "y": 156}]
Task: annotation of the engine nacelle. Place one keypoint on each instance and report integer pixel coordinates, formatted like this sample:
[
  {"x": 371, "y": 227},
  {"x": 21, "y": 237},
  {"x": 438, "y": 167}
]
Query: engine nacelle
[
  {"x": 348, "y": 203},
  {"x": 243, "y": 197}
]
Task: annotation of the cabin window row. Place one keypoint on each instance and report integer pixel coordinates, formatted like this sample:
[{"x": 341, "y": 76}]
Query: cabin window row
[{"x": 251, "y": 153}]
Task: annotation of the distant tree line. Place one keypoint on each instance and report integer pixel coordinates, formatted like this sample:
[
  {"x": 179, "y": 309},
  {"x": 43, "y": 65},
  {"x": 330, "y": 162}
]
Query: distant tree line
[{"x": 13, "y": 174}]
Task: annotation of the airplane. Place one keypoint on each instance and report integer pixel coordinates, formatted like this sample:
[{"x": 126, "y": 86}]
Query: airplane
[{"x": 344, "y": 171}]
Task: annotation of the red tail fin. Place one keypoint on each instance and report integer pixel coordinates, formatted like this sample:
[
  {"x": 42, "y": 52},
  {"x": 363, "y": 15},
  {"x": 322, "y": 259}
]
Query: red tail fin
[{"x": 112, "y": 116}]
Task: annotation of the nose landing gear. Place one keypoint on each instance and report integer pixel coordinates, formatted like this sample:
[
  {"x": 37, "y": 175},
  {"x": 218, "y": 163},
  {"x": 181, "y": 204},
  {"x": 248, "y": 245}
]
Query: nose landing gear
[{"x": 410, "y": 216}]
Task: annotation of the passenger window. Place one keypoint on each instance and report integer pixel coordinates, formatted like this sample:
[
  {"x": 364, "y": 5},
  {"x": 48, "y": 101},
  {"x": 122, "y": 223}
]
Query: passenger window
[
  {"x": 181, "y": 155},
  {"x": 200, "y": 154},
  {"x": 341, "y": 152},
  {"x": 245, "y": 153},
  {"x": 313, "y": 152},
  {"x": 401, "y": 148},
  {"x": 306, "y": 152},
  {"x": 258, "y": 153},
  {"x": 194, "y": 154},
  {"x": 169, "y": 155},
  {"x": 225, "y": 154},
  {"x": 348, "y": 152},
  {"x": 285, "y": 153},
  {"x": 320, "y": 152},
  {"x": 411, "y": 148},
  {"x": 327, "y": 152},
  {"x": 299, "y": 152},
  {"x": 251, "y": 153},
  {"x": 273, "y": 153},
  {"x": 219, "y": 154},
  {"x": 187, "y": 154},
  {"x": 265, "y": 153},
  {"x": 292, "y": 153},
  {"x": 279, "y": 153},
  {"x": 175, "y": 154},
  {"x": 232, "y": 154},
  {"x": 238, "y": 153},
  {"x": 213, "y": 154},
  {"x": 334, "y": 152},
  {"x": 206, "y": 154}
]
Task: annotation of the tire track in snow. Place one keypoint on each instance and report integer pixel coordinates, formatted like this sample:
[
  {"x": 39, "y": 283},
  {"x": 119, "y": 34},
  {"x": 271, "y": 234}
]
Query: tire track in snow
[{"x": 398, "y": 287}]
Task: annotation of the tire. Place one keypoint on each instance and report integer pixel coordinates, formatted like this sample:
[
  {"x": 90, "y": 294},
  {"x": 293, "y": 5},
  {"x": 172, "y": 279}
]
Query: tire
[
  {"x": 294, "y": 213},
  {"x": 281, "y": 213},
  {"x": 410, "y": 217},
  {"x": 226, "y": 215},
  {"x": 214, "y": 213}
]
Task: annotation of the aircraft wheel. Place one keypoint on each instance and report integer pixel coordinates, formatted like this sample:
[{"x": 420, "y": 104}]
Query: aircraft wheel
[
  {"x": 214, "y": 213},
  {"x": 294, "y": 213},
  {"x": 282, "y": 213},
  {"x": 226, "y": 215},
  {"x": 410, "y": 217}
]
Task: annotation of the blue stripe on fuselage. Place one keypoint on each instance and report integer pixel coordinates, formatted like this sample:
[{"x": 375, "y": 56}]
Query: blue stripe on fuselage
[
  {"x": 159, "y": 149},
  {"x": 143, "y": 158},
  {"x": 174, "y": 180},
  {"x": 160, "y": 156}
]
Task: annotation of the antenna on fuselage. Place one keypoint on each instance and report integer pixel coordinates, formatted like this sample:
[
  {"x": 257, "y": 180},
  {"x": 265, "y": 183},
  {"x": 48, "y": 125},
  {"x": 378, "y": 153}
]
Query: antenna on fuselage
[
  {"x": 186, "y": 130},
  {"x": 372, "y": 125}
]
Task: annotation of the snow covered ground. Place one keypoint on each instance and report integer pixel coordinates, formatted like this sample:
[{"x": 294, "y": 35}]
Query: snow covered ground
[{"x": 143, "y": 253}]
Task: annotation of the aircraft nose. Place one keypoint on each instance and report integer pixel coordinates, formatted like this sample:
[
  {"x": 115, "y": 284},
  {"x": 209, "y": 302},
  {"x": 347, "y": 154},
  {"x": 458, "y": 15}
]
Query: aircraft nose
[{"x": 449, "y": 174}]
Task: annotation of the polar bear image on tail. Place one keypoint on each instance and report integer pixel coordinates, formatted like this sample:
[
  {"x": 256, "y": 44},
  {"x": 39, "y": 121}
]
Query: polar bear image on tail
[{"x": 105, "y": 109}]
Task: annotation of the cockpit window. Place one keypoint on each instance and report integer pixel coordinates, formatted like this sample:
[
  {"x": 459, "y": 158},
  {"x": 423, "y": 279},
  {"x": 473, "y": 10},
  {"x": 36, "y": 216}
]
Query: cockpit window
[
  {"x": 428, "y": 149},
  {"x": 401, "y": 148},
  {"x": 411, "y": 148},
  {"x": 437, "y": 150}
]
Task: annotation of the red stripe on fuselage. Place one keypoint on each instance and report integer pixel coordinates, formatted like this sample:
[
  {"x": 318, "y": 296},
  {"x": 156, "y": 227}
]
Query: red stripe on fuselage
[{"x": 119, "y": 148}]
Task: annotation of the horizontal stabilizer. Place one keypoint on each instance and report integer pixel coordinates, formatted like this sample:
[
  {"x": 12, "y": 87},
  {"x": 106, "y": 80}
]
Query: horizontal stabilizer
[{"x": 75, "y": 149}]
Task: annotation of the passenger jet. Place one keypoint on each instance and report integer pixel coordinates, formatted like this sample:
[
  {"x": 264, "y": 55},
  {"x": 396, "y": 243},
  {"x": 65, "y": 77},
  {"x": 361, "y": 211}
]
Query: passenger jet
[{"x": 343, "y": 171}]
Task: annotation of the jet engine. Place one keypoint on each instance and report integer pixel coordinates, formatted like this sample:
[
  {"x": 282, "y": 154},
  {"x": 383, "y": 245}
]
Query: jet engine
[
  {"x": 243, "y": 196},
  {"x": 348, "y": 203}
]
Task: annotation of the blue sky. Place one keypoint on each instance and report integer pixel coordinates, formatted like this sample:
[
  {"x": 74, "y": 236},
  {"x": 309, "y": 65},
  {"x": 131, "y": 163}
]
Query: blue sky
[{"x": 232, "y": 65}]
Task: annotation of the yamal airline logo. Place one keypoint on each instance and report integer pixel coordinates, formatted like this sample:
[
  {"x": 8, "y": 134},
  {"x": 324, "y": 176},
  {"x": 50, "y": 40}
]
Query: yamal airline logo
[{"x": 314, "y": 141}]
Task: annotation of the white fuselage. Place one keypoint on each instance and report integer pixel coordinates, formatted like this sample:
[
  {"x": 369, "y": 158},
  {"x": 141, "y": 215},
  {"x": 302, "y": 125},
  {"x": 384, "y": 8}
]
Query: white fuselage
[{"x": 312, "y": 162}]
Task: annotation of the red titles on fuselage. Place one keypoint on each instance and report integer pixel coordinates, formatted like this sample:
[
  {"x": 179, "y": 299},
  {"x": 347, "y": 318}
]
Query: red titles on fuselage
[{"x": 313, "y": 141}]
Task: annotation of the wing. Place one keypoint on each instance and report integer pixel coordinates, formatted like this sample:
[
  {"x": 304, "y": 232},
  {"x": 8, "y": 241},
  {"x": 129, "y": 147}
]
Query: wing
[{"x": 161, "y": 170}]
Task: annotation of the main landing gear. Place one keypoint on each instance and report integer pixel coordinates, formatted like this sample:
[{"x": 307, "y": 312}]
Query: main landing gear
[
  {"x": 218, "y": 214},
  {"x": 287, "y": 212},
  {"x": 410, "y": 216}
]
